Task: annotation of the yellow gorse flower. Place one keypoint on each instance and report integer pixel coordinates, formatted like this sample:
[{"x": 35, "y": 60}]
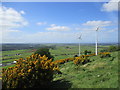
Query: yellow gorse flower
[
  {"x": 29, "y": 70},
  {"x": 13, "y": 76}
]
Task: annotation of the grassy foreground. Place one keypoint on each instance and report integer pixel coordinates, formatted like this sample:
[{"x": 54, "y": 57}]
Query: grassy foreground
[{"x": 99, "y": 73}]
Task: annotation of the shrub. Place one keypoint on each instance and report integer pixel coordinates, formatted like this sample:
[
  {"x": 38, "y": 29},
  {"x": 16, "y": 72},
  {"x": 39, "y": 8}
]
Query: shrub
[
  {"x": 93, "y": 54},
  {"x": 104, "y": 54},
  {"x": 103, "y": 50},
  {"x": 87, "y": 52},
  {"x": 81, "y": 60},
  {"x": 112, "y": 48},
  {"x": 62, "y": 61},
  {"x": 76, "y": 56},
  {"x": 44, "y": 51},
  {"x": 34, "y": 72}
]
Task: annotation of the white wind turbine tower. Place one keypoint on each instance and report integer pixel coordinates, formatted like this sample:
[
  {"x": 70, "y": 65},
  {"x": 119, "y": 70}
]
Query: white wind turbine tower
[
  {"x": 79, "y": 42},
  {"x": 96, "y": 45}
]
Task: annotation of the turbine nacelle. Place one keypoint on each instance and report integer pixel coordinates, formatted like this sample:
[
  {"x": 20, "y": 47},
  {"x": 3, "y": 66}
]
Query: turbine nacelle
[
  {"x": 97, "y": 29},
  {"x": 80, "y": 37}
]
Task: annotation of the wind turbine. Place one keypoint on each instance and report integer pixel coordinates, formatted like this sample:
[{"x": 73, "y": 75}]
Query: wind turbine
[
  {"x": 96, "y": 45},
  {"x": 79, "y": 42}
]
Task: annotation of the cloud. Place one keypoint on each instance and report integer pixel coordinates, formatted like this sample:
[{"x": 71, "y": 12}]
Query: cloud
[
  {"x": 112, "y": 5},
  {"x": 85, "y": 29},
  {"x": 49, "y": 37},
  {"x": 13, "y": 31},
  {"x": 54, "y": 27},
  {"x": 41, "y": 23},
  {"x": 10, "y": 18},
  {"x": 22, "y": 12},
  {"x": 59, "y": 37},
  {"x": 89, "y": 27},
  {"x": 113, "y": 30},
  {"x": 98, "y": 23}
]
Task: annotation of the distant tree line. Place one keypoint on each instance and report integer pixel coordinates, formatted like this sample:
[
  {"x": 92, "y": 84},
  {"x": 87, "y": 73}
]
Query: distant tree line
[
  {"x": 111, "y": 49},
  {"x": 7, "y": 47}
]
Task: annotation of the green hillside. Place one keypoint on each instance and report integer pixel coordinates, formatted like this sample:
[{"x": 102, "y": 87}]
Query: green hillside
[{"x": 99, "y": 73}]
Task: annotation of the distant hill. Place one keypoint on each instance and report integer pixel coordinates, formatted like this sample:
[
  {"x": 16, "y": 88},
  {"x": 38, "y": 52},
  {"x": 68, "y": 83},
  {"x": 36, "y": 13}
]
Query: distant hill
[{"x": 19, "y": 46}]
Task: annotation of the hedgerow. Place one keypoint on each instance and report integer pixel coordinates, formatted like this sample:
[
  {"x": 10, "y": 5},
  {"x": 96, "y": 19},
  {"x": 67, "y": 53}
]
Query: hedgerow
[
  {"x": 104, "y": 54},
  {"x": 83, "y": 59}
]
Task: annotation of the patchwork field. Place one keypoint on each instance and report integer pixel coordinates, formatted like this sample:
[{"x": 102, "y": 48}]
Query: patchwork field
[{"x": 60, "y": 52}]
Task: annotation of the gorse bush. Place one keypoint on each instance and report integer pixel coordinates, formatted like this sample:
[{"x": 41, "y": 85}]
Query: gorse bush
[
  {"x": 34, "y": 71},
  {"x": 83, "y": 59},
  {"x": 104, "y": 54},
  {"x": 62, "y": 61}
]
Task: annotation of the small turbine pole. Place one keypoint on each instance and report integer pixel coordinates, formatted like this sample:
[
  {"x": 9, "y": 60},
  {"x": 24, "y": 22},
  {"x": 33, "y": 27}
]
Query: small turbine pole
[
  {"x": 79, "y": 44},
  {"x": 79, "y": 47},
  {"x": 96, "y": 49}
]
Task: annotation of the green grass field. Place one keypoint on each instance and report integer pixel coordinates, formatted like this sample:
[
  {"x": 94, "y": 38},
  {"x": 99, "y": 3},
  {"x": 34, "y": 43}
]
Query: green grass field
[
  {"x": 99, "y": 73},
  {"x": 60, "y": 52},
  {"x": 71, "y": 51},
  {"x": 10, "y": 56}
]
